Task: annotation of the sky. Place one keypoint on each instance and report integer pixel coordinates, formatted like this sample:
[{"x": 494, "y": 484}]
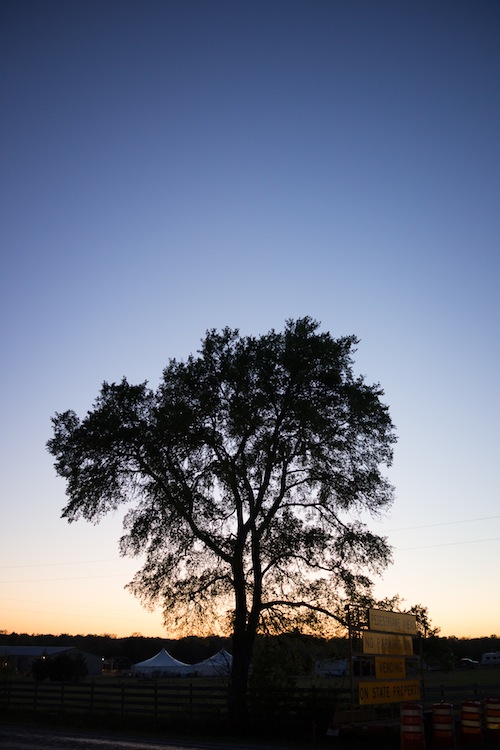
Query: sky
[{"x": 172, "y": 166}]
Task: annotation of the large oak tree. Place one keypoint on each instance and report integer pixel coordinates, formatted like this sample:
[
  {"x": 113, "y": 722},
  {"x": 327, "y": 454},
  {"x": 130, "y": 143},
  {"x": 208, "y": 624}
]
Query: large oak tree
[{"x": 247, "y": 474}]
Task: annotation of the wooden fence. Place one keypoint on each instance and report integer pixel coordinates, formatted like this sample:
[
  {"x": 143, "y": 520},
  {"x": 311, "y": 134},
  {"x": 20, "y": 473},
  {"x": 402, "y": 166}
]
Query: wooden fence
[
  {"x": 191, "y": 703},
  {"x": 148, "y": 698},
  {"x": 180, "y": 702}
]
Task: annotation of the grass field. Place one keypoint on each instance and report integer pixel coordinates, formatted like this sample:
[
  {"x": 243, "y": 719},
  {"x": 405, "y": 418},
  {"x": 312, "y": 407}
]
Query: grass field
[{"x": 484, "y": 676}]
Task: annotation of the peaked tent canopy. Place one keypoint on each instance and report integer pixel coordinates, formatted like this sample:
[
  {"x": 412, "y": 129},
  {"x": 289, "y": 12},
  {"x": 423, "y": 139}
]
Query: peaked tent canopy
[
  {"x": 218, "y": 665},
  {"x": 161, "y": 664}
]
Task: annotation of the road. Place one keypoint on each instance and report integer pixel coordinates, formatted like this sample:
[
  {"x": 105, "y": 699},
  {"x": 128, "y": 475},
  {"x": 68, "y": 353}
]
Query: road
[
  {"x": 23, "y": 738},
  {"x": 20, "y": 738}
]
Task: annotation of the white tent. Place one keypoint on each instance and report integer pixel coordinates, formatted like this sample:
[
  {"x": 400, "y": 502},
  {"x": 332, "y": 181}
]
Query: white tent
[
  {"x": 161, "y": 665},
  {"x": 218, "y": 665}
]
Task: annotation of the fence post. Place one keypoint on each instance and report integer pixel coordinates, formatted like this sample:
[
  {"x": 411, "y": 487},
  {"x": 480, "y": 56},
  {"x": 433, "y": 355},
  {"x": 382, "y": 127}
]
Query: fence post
[{"x": 9, "y": 691}]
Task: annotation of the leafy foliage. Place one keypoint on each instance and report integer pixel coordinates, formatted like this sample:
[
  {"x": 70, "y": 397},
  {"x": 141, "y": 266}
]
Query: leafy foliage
[
  {"x": 60, "y": 668},
  {"x": 246, "y": 472}
]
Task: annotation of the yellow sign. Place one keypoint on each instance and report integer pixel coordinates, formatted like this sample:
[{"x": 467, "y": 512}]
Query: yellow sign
[
  {"x": 390, "y": 667},
  {"x": 388, "y": 692},
  {"x": 385, "y": 643},
  {"x": 392, "y": 622}
]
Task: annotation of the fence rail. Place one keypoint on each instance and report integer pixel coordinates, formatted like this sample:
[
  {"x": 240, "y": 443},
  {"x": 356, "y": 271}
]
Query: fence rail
[
  {"x": 181, "y": 704},
  {"x": 151, "y": 699},
  {"x": 193, "y": 702}
]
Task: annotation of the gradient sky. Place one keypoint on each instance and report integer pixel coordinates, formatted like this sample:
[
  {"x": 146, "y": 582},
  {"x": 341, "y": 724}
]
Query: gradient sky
[{"x": 170, "y": 166}]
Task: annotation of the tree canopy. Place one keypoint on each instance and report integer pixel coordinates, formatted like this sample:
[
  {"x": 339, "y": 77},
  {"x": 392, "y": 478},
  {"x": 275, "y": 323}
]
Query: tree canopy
[{"x": 247, "y": 474}]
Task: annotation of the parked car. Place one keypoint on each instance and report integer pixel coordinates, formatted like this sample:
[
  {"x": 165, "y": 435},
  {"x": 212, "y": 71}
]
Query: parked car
[{"x": 467, "y": 663}]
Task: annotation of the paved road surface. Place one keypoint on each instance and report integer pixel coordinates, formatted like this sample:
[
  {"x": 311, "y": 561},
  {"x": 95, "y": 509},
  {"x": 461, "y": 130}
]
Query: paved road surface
[
  {"x": 22, "y": 738},
  {"x": 17, "y": 738}
]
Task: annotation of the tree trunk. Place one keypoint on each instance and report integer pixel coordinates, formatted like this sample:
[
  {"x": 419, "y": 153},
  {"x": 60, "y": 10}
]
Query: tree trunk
[
  {"x": 238, "y": 691},
  {"x": 244, "y": 633}
]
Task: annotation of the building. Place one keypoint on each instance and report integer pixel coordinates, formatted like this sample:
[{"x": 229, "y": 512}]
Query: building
[{"x": 20, "y": 659}]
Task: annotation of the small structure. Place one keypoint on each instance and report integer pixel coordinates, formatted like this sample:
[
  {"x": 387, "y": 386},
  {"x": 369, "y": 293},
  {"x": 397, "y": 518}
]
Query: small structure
[
  {"x": 21, "y": 658},
  {"x": 161, "y": 665},
  {"x": 490, "y": 659},
  {"x": 335, "y": 668}
]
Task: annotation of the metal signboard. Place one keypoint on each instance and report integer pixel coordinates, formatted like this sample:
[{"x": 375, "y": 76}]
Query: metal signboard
[
  {"x": 392, "y": 622},
  {"x": 371, "y": 693},
  {"x": 386, "y": 643},
  {"x": 390, "y": 667}
]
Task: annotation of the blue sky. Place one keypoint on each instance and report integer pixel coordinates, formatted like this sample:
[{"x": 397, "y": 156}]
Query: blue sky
[{"x": 169, "y": 167}]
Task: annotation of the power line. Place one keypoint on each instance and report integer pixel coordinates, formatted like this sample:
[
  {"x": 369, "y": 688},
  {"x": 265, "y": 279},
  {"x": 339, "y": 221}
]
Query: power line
[
  {"x": 51, "y": 580},
  {"x": 48, "y": 565},
  {"x": 397, "y": 549},
  {"x": 443, "y": 523},
  {"x": 121, "y": 559},
  {"x": 449, "y": 544}
]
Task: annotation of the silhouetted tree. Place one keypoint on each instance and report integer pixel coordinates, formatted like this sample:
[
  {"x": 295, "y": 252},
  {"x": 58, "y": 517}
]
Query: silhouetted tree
[
  {"x": 40, "y": 669},
  {"x": 246, "y": 471},
  {"x": 67, "y": 668},
  {"x": 423, "y": 621},
  {"x": 438, "y": 653}
]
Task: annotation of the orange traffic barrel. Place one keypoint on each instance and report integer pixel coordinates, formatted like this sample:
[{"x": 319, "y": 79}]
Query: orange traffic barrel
[
  {"x": 443, "y": 725},
  {"x": 492, "y": 718},
  {"x": 412, "y": 726},
  {"x": 471, "y": 722}
]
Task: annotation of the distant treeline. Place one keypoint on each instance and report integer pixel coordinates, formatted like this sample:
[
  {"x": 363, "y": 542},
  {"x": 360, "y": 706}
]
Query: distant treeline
[
  {"x": 296, "y": 649},
  {"x": 132, "y": 649},
  {"x": 472, "y": 648}
]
